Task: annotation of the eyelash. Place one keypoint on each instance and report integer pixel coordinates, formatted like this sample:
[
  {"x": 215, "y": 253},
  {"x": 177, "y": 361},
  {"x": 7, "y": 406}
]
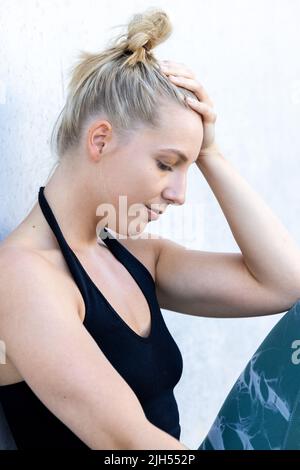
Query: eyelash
[{"x": 164, "y": 167}]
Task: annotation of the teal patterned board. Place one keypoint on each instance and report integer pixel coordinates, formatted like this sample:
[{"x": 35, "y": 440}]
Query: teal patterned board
[{"x": 262, "y": 410}]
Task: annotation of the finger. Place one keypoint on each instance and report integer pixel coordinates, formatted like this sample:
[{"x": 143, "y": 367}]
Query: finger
[
  {"x": 177, "y": 69},
  {"x": 178, "y": 72},
  {"x": 193, "y": 86},
  {"x": 204, "y": 109}
]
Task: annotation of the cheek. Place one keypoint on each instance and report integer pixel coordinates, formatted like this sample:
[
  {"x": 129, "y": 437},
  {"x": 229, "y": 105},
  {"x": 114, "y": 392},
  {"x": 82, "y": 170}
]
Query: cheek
[
  {"x": 141, "y": 178},
  {"x": 139, "y": 182}
]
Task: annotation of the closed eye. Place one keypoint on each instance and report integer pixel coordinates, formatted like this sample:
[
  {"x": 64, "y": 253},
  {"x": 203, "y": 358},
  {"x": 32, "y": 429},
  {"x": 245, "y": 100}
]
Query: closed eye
[{"x": 163, "y": 167}]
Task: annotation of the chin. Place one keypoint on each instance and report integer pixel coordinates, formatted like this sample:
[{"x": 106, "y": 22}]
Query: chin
[
  {"x": 137, "y": 230},
  {"x": 129, "y": 228}
]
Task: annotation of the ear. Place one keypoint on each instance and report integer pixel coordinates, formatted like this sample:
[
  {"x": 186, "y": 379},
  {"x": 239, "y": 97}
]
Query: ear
[{"x": 99, "y": 136}]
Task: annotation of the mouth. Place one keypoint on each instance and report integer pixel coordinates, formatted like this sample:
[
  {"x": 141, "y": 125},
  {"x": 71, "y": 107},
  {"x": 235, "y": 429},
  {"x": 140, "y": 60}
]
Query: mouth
[{"x": 153, "y": 214}]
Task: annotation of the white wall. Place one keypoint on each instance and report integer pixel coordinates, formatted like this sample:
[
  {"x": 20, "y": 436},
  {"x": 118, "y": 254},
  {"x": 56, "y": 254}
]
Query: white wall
[{"x": 245, "y": 54}]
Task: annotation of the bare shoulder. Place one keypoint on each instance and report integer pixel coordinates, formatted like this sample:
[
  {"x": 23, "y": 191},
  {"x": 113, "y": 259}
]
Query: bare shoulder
[
  {"x": 146, "y": 249},
  {"x": 29, "y": 283},
  {"x": 14, "y": 258},
  {"x": 17, "y": 263},
  {"x": 52, "y": 352}
]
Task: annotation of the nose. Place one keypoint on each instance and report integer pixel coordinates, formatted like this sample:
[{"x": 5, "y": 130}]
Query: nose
[{"x": 176, "y": 190}]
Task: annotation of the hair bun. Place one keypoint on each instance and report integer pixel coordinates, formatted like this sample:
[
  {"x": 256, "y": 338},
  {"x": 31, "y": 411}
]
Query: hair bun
[
  {"x": 148, "y": 30},
  {"x": 145, "y": 31}
]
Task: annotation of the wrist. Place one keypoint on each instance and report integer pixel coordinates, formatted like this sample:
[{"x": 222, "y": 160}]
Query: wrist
[{"x": 208, "y": 154}]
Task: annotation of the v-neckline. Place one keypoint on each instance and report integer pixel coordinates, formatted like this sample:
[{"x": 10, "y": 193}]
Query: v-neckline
[{"x": 112, "y": 243}]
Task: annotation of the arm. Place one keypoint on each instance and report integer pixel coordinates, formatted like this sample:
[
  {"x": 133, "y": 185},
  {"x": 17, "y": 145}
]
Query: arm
[
  {"x": 269, "y": 252},
  {"x": 209, "y": 284},
  {"x": 40, "y": 325},
  {"x": 263, "y": 279}
]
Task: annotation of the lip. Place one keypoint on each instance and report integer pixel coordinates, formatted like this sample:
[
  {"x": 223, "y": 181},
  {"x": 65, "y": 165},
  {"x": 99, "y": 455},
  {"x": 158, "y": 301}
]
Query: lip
[{"x": 153, "y": 215}]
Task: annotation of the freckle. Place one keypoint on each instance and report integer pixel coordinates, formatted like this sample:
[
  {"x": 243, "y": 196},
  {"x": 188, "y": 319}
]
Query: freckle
[{"x": 33, "y": 226}]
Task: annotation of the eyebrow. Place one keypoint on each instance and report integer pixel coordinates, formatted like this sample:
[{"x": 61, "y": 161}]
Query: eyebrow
[{"x": 176, "y": 152}]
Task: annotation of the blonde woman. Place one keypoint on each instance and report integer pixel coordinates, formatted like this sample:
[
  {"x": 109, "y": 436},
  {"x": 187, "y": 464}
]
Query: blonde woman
[{"x": 90, "y": 361}]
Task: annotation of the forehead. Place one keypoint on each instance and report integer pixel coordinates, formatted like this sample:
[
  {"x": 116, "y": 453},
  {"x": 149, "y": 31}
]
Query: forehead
[
  {"x": 179, "y": 129},
  {"x": 173, "y": 114}
]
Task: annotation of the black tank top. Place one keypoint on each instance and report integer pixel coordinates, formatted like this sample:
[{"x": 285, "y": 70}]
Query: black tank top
[{"x": 151, "y": 365}]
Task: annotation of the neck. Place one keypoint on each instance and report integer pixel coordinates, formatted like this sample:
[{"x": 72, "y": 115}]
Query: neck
[{"x": 73, "y": 206}]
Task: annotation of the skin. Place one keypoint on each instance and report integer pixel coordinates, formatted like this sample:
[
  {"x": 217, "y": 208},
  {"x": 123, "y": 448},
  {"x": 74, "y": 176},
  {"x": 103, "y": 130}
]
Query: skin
[
  {"x": 103, "y": 169},
  {"x": 189, "y": 281},
  {"x": 96, "y": 174}
]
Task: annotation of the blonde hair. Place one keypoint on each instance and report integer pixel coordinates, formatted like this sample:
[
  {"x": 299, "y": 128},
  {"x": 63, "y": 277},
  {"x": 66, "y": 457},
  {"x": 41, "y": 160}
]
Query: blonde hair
[{"x": 124, "y": 83}]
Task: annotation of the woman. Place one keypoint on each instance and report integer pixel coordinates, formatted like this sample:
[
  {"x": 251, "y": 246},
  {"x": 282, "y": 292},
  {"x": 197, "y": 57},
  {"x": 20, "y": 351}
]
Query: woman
[{"x": 90, "y": 361}]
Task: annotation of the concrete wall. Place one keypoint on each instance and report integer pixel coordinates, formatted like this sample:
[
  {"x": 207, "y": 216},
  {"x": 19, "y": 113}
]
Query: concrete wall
[{"x": 244, "y": 53}]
